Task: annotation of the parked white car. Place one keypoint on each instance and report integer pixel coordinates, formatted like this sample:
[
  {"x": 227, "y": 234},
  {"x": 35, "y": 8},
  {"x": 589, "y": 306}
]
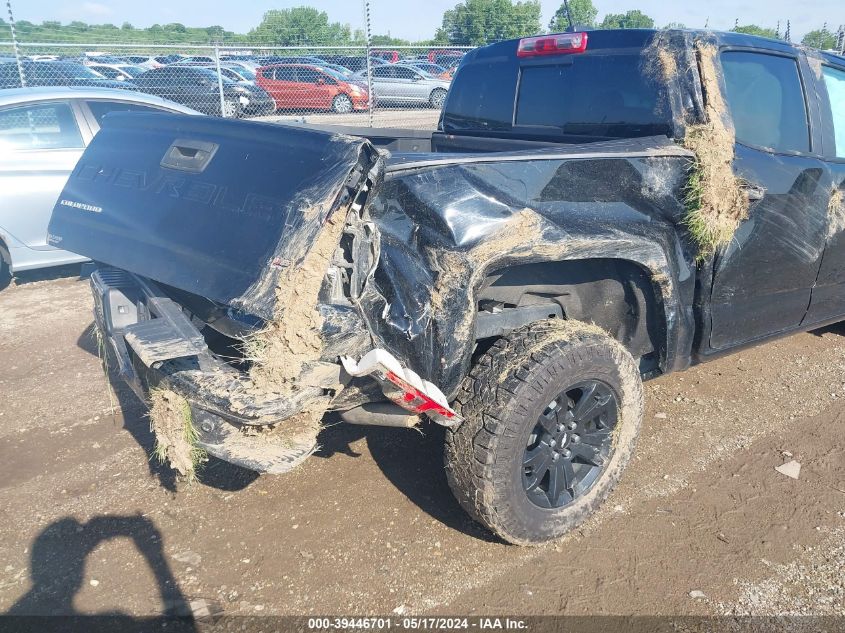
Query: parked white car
[
  {"x": 144, "y": 61},
  {"x": 43, "y": 132},
  {"x": 118, "y": 72}
]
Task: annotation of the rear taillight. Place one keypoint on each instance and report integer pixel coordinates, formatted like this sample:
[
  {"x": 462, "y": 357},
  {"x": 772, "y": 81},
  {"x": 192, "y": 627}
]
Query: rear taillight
[
  {"x": 413, "y": 399},
  {"x": 560, "y": 44}
]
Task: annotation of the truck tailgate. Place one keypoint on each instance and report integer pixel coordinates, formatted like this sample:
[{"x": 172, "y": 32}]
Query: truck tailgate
[{"x": 212, "y": 206}]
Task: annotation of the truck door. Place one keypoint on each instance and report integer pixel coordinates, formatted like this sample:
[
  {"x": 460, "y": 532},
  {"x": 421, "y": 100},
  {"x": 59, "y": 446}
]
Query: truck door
[
  {"x": 829, "y": 292},
  {"x": 762, "y": 280}
]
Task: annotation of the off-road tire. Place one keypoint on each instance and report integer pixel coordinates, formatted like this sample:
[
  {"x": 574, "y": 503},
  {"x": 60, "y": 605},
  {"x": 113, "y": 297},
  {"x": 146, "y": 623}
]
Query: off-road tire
[
  {"x": 342, "y": 104},
  {"x": 437, "y": 98},
  {"x": 501, "y": 399}
]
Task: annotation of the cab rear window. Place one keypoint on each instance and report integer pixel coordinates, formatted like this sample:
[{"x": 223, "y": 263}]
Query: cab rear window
[
  {"x": 598, "y": 95},
  {"x": 592, "y": 95}
]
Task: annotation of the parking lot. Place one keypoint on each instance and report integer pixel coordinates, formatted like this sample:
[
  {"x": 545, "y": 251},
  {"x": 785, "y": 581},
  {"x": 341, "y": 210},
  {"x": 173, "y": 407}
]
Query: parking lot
[{"x": 701, "y": 524}]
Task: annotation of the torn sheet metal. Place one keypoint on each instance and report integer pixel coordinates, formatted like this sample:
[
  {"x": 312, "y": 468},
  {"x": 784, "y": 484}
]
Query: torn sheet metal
[{"x": 445, "y": 222}]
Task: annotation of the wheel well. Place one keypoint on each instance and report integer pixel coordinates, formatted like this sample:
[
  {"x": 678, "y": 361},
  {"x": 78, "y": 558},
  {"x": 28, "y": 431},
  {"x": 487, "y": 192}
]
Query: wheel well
[{"x": 617, "y": 295}]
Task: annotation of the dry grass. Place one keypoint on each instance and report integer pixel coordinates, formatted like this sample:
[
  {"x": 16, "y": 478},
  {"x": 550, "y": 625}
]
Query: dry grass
[
  {"x": 102, "y": 354},
  {"x": 715, "y": 200},
  {"x": 280, "y": 351},
  {"x": 836, "y": 212},
  {"x": 175, "y": 434},
  {"x": 714, "y": 196}
]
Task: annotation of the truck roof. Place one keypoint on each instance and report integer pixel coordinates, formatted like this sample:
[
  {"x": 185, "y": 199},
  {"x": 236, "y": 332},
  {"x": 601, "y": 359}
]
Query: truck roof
[{"x": 568, "y": 88}]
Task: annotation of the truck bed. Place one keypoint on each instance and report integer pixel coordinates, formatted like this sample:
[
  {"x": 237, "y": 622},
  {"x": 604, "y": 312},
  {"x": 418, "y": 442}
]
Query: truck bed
[{"x": 412, "y": 140}]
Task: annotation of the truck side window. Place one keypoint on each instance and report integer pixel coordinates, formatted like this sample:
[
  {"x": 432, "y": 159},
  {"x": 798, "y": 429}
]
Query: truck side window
[
  {"x": 42, "y": 126},
  {"x": 835, "y": 81},
  {"x": 766, "y": 101}
]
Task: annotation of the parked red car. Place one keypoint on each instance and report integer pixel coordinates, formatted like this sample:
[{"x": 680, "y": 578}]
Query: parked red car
[
  {"x": 391, "y": 57},
  {"x": 311, "y": 87},
  {"x": 444, "y": 57}
]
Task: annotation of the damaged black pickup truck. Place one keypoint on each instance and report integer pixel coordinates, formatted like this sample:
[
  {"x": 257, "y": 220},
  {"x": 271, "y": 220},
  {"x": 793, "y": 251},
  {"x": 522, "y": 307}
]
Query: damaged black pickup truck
[{"x": 594, "y": 209}]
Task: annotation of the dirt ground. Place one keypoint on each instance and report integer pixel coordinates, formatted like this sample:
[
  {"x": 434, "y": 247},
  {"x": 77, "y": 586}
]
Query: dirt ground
[{"x": 702, "y": 523}]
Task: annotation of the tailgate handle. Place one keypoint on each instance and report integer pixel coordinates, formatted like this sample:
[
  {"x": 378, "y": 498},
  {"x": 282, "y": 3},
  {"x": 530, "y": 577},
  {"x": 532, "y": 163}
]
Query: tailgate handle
[{"x": 189, "y": 155}]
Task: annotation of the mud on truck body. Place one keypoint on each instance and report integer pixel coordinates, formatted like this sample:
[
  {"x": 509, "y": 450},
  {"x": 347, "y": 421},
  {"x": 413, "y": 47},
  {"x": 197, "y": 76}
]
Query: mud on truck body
[{"x": 568, "y": 231}]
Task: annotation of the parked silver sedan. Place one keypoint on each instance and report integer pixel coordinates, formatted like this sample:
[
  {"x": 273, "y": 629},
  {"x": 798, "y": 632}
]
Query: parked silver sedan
[
  {"x": 43, "y": 132},
  {"x": 400, "y": 83}
]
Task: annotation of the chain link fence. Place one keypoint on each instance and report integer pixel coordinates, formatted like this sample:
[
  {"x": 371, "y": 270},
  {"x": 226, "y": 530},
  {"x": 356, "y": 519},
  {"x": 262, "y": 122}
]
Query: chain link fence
[
  {"x": 355, "y": 85},
  {"x": 344, "y": 85}
]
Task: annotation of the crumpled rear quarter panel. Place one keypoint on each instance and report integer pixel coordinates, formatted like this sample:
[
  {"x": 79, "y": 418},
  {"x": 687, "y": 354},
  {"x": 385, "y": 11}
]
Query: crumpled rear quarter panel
[{"x": 448, "y": 221}]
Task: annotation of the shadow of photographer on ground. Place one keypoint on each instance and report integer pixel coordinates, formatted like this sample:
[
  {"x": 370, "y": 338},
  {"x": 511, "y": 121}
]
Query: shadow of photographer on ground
[{"x": 57, "y": 570}]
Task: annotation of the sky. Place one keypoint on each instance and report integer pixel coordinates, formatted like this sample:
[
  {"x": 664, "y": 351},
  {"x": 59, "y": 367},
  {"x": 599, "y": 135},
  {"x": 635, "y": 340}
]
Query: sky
[{"x": 418, "y": 19}]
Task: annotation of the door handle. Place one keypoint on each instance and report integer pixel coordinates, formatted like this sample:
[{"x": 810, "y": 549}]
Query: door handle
[{"x": 189, "y": 155}]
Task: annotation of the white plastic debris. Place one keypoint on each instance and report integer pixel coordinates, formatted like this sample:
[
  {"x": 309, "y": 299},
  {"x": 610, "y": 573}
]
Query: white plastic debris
[
  {"x": 791, "y": 469},
  {"x": 697, "y": 594}
]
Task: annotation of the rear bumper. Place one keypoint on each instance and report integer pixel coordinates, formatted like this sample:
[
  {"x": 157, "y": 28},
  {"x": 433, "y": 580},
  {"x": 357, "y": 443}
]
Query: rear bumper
[
  {"x": 150, "y": 341},
  {"x": 359, "y": 102}
]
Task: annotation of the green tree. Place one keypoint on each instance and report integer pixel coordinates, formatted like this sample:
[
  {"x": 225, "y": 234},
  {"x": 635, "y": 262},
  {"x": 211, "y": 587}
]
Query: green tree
[
  {"x": 478, "y": 22},
  {"x": 299, "y": 25},
  {"x": 753, "y": 29},
  {"x": 583, "y": 12},
  {"x": 820, "y": 38},
  {"x": 633, "y": 19},
  {"x": 387, "y": 40},
  {"x": 85, "y": 34}
]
